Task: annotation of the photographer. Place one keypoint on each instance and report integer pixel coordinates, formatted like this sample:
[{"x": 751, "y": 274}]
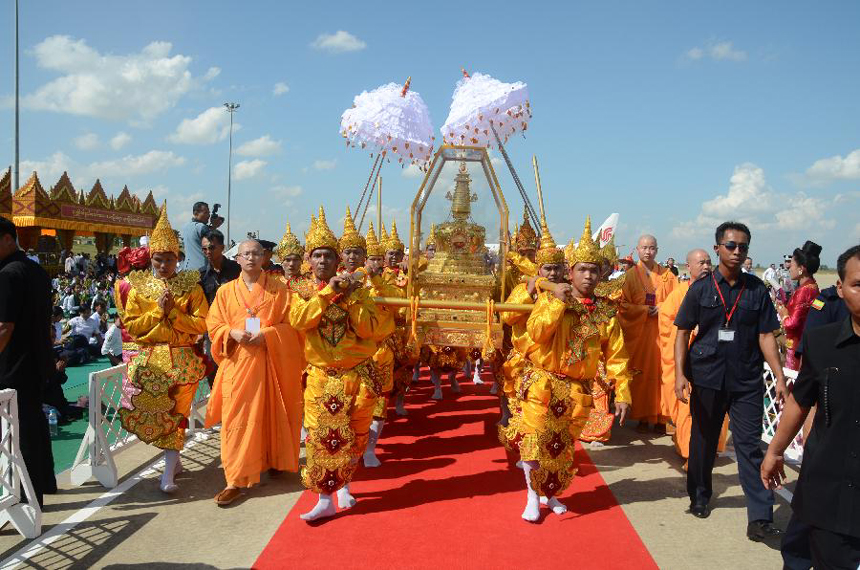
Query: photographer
[{"x": 194, "y": 231}]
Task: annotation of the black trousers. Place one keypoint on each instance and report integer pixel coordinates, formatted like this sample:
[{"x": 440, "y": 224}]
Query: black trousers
[
  {"x": 35, "y": 441},
  {"x": 708, "y": 407},
  {"x": 795, "y": 545},
  {"x": 831, "y": 550}
]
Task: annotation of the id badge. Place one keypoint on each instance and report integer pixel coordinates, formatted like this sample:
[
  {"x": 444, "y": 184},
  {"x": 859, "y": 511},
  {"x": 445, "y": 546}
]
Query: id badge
[
  {"x": 726, "y": 335},
  {"x": 651, "y": 299},
  {"x": 252, "y": 325}
]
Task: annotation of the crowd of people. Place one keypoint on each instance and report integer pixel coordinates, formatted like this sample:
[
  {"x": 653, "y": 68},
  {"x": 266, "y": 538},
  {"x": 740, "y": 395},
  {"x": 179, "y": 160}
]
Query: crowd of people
[{"x": 303, "y": 353}]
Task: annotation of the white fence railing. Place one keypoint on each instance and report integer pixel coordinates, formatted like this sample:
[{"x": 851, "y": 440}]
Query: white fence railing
[
  {"x": 105, "y": 437},
  {"x": 772, "y": 413},
  {"x": 25, "y": 517}
]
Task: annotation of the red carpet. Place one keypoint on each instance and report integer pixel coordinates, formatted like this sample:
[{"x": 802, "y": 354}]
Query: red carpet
[{"x": 447, "y": 497}]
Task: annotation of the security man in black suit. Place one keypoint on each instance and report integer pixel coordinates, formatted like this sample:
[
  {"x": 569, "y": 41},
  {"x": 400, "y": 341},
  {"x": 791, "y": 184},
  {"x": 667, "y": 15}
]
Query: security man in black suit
[
  {"x": 735, "y": 319},
  {"x": 826, "y": 505}
]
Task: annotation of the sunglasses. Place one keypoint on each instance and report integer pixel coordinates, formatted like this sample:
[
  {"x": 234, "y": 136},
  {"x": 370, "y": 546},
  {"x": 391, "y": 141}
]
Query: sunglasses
[{"x": 732, "y": 245}]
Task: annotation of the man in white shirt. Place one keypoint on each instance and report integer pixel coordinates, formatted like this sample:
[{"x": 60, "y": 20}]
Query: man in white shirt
[
  {"x": 112, "y": 346},
  {"x": 70, "y": 264},
  {"x": 86, "y": 327}
]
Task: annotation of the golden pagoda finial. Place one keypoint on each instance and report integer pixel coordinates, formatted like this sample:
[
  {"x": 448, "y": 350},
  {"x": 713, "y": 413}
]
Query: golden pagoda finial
[
  {"x": 548, "y": 253},
  {"x": 431, "y": 239},
  {"x": 163, "y": 238},
  {"x": 320, "y": 235},
  {"x": 586, "y": 250},
  {"x": 351, "y": 237},
  {"x": 609, "y": 252},
  {"x": 394, "y": 243},
  {"x": 374, "y": 248},
  {"x": 290, "y": 244},
  {"x": 526, "y": 236}
]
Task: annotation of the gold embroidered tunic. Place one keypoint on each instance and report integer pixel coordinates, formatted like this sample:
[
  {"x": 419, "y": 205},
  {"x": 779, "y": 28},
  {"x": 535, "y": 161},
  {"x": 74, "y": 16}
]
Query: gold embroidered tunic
[
  {"x": 166, "y": 369},
  {"x": 566, "y": 344},
  {"x": 342, "y": 384}
]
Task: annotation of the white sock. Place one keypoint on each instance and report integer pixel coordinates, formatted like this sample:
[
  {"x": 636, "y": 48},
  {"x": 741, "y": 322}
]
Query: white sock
[
  {"x": 532, "y": 511},
  {"x": 556, "y": 505},
  {"x": 370, "y": 458},
  {"x": 399, "y": 408},
  {"x": 494, "y": 389},
  {"x": 344, "y": 499},
  {"x": 437, "y": 393},
  {"x": 324, "y": 508},
  {"x": 171, "y": 457},
  {"x": 476, "y": 377}
]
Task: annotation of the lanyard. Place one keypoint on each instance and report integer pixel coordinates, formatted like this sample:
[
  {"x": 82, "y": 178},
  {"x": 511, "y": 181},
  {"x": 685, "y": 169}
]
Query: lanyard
[
  {"x": 253, "y": 311},
  {"x": 729, "y": 313}
]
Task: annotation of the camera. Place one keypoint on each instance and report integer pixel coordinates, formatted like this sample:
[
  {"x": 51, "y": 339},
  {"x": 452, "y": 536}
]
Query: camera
[{"x": 214, "y": 217}]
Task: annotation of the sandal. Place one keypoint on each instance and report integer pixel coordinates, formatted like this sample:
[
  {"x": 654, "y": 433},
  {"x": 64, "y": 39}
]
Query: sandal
[{"x": 227, "y": 496}]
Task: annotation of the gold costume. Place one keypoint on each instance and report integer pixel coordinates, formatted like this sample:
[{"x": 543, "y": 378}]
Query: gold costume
[
  {"x": 166, "y": 369},
  {"x": 342, "y": 383}
]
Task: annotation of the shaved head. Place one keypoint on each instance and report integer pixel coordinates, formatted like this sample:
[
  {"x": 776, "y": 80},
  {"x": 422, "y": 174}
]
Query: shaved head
[
  {"x": 646, "y": 249},
  {"x": 698, "y": 263},
  {"x": 250, "y": 245}
]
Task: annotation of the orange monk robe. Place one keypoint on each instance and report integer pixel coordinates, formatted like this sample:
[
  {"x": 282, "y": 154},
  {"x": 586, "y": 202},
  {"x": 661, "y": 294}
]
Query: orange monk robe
[
  {"x": 641, "y": 336},
  {"x": 671, "y": 405},
  {"x": 257, "y": 395}
]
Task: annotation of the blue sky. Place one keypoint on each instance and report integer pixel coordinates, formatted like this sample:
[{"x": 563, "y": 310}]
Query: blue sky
[{"x": 677, "y": 115}]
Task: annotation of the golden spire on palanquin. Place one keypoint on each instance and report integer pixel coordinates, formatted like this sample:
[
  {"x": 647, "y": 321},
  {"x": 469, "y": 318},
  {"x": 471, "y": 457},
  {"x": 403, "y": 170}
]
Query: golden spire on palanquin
[
  {"x": 526, "y": 236},
  {"x": 163, "y": 238},
  {"x": 608, "y": 252},
  {"x": 548, "y": 252},
  {"x": 431, "y": 239},
  {"x": 374, "y": 248},
  {"x": 393, "y": 243},
  {"x": 290, "y": 244},
  {"x": 351, "y": 237},
  {"x": 320, "y": 235},
  {"x": 586, "y": 250}
]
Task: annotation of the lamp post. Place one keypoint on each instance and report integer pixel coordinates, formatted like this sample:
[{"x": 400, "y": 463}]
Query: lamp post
[
  {"x": 15, "y": 173},
  {"x": 231, "y": 108}
]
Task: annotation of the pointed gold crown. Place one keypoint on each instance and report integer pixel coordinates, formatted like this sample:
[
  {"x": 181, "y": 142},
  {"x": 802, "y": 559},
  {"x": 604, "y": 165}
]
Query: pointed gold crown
[
  {"x": 320, "y": 235},
  {"x": 383, "y": 235},
  {"x": 374, "y": 248},
  {"x": 163, "y": 238},
  {"x": 310, "y": 227},
  {"x": 526, "y": 236},
  {"x": 351, "y": 237},
  {"x": 431, "y": 239},
  {"x": 609, "y": 252},
  {"x": 586, "y": 250},
  {"x": 547, "y": 253},
  {"x": 393, "y": 242},
  {"x": 290, "y": 244}
]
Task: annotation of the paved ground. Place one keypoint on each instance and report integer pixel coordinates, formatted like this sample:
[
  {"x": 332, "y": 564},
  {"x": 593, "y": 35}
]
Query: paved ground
[{"x": 142, "y": 527}]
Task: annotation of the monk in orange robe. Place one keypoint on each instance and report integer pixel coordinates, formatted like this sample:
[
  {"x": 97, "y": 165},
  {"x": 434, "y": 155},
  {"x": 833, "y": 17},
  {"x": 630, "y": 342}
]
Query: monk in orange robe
[
  {"x": 699, "y": 265},
  {"x": 646, "y": 286},
  {"x": 257, "y": 395}
]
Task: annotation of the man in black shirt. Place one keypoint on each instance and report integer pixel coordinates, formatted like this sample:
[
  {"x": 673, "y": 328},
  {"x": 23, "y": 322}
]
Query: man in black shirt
[
  {"x": 26, "y": 353},
  {"x": 826, "y": 498},
  {"x": 735, "y": 320},
  {"x": 217, "y": 271}
]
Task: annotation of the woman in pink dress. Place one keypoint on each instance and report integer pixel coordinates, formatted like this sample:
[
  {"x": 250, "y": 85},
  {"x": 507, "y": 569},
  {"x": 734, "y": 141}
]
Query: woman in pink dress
[{"x": 804, "y": 264}]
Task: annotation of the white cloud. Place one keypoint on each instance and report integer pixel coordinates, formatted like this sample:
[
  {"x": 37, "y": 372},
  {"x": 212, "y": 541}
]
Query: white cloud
[
  {"x": 210, "y": 126},
  {"x": 752, "y": 201},
  {"x": 88, "y": 141},
  {"x": 130, "y": 165},
  {"x": 248, "y": 169},
  {"x": 828, "y": 170},
  {"x": 135, "y": 87},
  {"x": 324, "y": 164},
  {"x": 338, "y": 42},
  {"x": 120, "y": 140},
  {"x": 263, "y": 146},
  {"x": 717, "y": 51},
  {"x": 285, "y": 194},
  {"x": 49, "y": 170},
  {"x": 280, "y": 88},
  {"x": 412, "y": 171}
]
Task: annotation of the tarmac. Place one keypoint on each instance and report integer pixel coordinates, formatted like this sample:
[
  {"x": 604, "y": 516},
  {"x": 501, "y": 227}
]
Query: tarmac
[{"x": 136, "y": 525}]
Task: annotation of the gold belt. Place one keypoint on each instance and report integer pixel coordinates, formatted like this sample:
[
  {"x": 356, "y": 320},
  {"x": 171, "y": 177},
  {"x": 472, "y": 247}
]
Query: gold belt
[{"x": 335, "y": 372}]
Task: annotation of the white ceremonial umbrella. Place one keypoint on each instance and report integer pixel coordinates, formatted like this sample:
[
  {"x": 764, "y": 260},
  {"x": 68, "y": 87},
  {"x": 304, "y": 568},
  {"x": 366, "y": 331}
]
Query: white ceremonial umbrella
[
  {"x": 390, "y": 120},
  {"x": 481, "y": 102}
]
